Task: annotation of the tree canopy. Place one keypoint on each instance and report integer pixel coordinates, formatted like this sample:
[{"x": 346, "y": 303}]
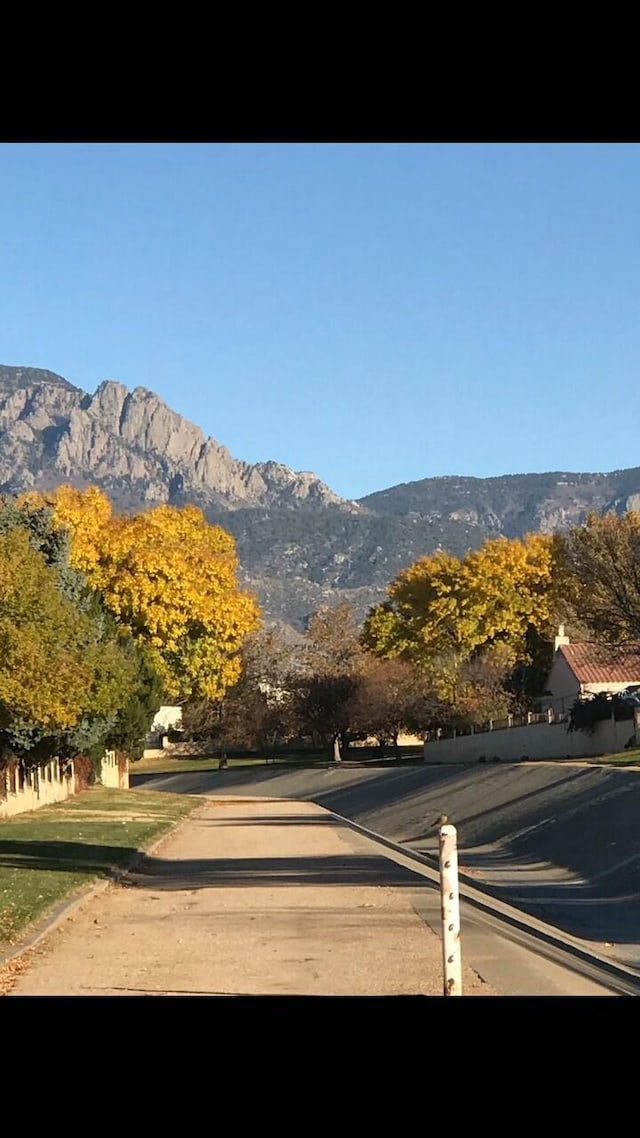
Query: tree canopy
[
  {"x": 599, "y": 570},
  {"x": 443, "y": 610},
  {"x": 171, "y": 579}
]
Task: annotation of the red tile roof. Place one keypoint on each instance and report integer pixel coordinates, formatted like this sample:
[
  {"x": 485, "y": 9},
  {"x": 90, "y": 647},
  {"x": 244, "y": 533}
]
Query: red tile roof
[{"x": 603, "y": 664}]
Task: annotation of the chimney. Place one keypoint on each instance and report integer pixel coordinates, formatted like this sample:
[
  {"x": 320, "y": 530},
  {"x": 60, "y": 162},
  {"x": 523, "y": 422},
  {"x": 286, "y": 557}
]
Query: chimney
[{"x": 560, "y": 638}]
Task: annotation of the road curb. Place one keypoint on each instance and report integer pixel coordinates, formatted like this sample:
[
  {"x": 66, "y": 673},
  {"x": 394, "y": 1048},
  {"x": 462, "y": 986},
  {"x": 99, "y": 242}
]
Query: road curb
[{"x": 486, "y": 901}]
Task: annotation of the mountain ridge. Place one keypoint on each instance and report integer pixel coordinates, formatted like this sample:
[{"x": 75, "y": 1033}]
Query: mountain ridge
[{"x": 300, "y": 544}]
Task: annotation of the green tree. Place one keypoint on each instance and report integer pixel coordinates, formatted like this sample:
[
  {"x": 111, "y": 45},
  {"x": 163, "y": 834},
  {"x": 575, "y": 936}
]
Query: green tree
[
  {"x": 133, "y": 719},
  {"x": 95, "y": 685}
]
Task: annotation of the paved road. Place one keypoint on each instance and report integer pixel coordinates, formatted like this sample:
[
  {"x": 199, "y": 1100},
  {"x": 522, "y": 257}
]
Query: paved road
[
  {"x": 268, "y": 897},
  {"x": 258, "y": 898},
  {"x": 560, "y": 841}
]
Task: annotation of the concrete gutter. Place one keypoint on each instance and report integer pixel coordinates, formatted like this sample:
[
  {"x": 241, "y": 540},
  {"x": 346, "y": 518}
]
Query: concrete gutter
[{"x": 427, "y": 866}]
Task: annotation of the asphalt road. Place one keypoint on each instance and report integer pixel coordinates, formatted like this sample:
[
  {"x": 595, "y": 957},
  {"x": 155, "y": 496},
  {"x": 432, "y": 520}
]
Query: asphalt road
[{"x": 560, "y": 841}]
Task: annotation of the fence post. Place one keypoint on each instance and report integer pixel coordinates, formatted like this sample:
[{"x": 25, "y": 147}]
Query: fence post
[
  {"x": 528, "y": 718},
  {"x": 451, "y": 954}
]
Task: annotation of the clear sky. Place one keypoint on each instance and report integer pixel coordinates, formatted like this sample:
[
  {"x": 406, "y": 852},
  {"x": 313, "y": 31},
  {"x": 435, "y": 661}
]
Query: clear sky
[{"x": 375, "y": 313}]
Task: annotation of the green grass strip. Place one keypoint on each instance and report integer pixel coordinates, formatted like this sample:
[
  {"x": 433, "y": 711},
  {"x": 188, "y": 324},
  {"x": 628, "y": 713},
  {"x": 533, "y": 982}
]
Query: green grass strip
[{"x": 49, "y": 854}]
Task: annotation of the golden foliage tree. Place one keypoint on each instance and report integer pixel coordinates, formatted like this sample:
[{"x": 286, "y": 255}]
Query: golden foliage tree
[
  {"x": 171, "y": 579},
  {"x": 511, "y": 586},
  {"x": 444, "y": 609}
]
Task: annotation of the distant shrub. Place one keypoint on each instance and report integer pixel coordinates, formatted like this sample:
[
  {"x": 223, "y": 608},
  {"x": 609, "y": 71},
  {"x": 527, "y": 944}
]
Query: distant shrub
[
  {"x": 587, "y": 713},
  {"x": 84, "y": 768}
]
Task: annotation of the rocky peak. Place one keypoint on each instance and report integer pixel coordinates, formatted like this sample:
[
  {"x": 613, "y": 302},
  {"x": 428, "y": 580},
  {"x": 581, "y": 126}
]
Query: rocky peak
[
  {"x": 132, "y": 436},
  {"x": 300, "y": 545},
  {"x": 107, "y": 403}
]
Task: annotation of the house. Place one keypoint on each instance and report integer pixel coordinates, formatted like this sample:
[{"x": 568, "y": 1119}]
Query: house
[
  {"x": 586, "y": 669},
  {"x": 167, "y": 718}
]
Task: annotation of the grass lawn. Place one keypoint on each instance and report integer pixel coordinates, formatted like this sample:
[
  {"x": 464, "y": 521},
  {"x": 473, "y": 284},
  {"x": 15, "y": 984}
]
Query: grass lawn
[
  {"x": 48, "y": 854},
  {"x": 170, "y": 765},
  {"x": 630, "y": 758}
]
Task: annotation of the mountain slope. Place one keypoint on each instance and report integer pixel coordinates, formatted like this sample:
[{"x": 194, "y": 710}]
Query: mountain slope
[
  {"x": 300, "y": 544},
  {"x": 512, "y": 504}
]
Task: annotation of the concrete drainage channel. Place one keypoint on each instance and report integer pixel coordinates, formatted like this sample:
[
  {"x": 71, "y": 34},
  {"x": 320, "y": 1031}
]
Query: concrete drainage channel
[
  {"x": 517, "y": 933},
  {"x": 516, "y": 926}
]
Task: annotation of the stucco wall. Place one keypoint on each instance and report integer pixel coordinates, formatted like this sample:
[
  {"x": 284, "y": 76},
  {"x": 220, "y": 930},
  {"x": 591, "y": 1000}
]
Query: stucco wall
[
  {"x": 538, "y": 741},
  {"x": 562, "y": 684},
  {"x": 39, "y": 787},
  {"x": 115, "y": 771}
]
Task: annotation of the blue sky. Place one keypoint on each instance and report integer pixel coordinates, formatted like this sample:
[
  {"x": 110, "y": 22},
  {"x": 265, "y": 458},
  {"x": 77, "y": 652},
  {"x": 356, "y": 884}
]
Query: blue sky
[{"x": 375, "y": 313}]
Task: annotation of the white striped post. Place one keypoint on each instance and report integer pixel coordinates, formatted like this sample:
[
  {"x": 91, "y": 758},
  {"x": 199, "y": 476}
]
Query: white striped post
[{"x": 450, "y": 893}]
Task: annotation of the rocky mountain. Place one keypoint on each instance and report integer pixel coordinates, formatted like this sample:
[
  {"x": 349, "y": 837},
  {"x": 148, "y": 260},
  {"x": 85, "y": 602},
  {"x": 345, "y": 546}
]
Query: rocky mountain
[
  {"x": 513, "y": 504},
  {"x": 51, "y": 430},
  {"x": 300, "y": 545}
]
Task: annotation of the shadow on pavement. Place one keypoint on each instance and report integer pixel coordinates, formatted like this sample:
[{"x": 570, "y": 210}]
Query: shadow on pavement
[
  {"x": 207, "y": 873},
  {"x": 67, "y": 857},
  {"x": 275, "y": 820}
]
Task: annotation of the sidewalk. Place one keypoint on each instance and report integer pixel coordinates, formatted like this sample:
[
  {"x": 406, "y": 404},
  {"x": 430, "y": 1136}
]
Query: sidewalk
[{"x": 260, "y": 897}]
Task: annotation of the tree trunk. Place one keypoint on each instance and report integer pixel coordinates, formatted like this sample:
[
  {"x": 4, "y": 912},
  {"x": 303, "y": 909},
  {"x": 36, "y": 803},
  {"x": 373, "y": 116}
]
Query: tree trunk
[{"x": 337, "y": 757}]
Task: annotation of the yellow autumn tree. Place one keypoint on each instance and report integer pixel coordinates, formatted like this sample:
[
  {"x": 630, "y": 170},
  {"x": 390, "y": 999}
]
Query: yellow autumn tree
[
  {"x": 426, "y": 620},
  {"x": 171, "y": 578},
  {"x": 443, "y": 609},
  {"x": 510, "y": 585}
]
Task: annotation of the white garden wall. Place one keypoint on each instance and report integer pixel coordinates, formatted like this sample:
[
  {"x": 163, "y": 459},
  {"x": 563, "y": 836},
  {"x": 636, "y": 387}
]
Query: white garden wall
[
  {"x": 40, "y": 786},
  {"x": 536, "y": 741}
]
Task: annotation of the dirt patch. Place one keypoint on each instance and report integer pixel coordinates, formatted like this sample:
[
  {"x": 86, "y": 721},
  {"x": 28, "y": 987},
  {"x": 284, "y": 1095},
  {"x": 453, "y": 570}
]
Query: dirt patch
[{"x": 11, "y": 972}]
